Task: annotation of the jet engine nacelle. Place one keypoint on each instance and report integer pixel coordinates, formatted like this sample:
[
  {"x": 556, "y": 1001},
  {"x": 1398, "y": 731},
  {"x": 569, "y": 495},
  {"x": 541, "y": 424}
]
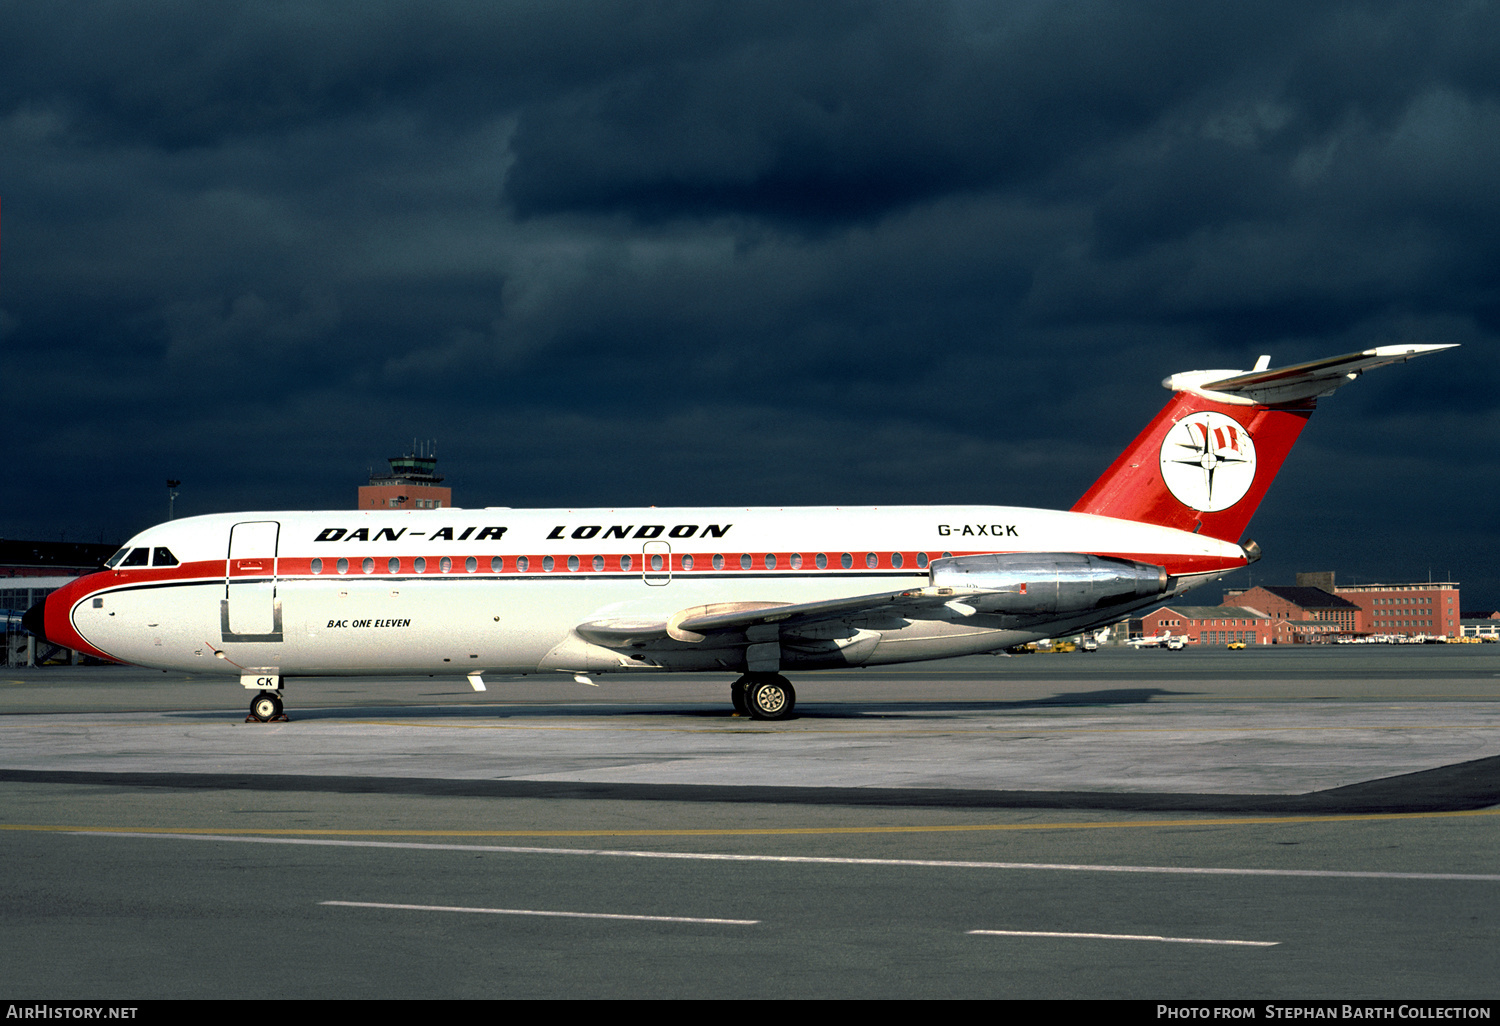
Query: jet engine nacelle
[{"x": 1034, "y": 583}]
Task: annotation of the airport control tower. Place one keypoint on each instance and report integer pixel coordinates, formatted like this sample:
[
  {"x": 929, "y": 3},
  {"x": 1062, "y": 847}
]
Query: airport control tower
[{"x": 413, "y": 483}]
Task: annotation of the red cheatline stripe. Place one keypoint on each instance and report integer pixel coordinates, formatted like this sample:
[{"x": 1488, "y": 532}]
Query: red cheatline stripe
[{"x": 288, "y": 567}]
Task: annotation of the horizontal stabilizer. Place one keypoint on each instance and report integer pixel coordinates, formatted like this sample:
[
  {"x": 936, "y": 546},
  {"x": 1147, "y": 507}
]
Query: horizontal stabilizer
[
  {"x": 1277, "y": 386},
  {"x": 1204, "y": 464}
]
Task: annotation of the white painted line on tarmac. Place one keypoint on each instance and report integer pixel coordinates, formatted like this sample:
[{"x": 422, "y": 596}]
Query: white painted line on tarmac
[
  {"x": 816, "y": 860},
  {"x": 541, "y": 912},
  {"x": 1124, "y": 936}
]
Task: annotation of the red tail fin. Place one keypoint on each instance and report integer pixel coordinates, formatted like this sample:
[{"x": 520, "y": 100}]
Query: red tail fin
[
  {"x": 1200, "y": 466},
  {"x": 1205, "y": 462}
]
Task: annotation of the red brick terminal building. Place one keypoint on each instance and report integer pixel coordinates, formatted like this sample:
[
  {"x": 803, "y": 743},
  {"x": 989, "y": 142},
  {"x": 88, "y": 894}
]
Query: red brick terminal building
[
  {"x": 1430, "y": 608},
  {"x": 1210, "y": 625},
  {"x": 1300, "y": 614},
  {"x": 1314, "y": 611}
]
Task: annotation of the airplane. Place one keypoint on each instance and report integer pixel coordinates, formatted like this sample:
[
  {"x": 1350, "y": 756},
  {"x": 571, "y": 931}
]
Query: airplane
[
  {"x": 1163, "y": 640},
  {"x": 275, "y": 596}
]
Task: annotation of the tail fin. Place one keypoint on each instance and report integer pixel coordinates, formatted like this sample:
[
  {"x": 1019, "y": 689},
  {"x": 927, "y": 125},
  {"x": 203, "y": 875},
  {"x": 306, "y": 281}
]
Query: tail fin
[{"x": 1205, "y": 462}]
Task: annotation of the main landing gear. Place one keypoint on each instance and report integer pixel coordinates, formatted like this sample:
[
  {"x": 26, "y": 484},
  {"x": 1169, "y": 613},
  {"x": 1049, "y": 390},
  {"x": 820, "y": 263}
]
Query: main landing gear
[
  {"x": 266, "y": 708},
  {"x": 763, "y": 696}
]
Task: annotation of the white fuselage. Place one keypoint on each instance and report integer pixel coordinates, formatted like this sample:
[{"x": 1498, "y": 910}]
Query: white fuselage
[{"x": 501, "y": 591}]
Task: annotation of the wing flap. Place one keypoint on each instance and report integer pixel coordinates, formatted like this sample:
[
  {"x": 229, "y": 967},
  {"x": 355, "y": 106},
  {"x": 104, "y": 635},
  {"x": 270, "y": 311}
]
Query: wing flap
[{"x": 772, "y": 619}]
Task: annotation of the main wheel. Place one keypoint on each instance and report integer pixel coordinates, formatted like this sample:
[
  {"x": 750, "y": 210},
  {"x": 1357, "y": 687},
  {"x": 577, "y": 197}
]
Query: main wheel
[
  {"x": 737, "y": 696},
  {"x": 770, "y": 698},
  {"x": 265, "y": 707}
]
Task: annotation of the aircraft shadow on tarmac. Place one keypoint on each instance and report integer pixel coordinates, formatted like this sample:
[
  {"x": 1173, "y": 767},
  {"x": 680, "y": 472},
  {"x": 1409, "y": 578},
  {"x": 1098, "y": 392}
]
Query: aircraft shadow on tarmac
[
  {"x": 814, "y": 710},
  {"x": 918, "y": 707},
  {"x": 1459, "y": 787}
]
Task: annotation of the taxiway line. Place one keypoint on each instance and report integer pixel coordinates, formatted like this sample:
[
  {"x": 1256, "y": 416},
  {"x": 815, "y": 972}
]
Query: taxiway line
[
  {"x": 541, "y": 912},
  {"x": 1033, "y": 730},
  {"x": 1122, "y": 936},
  {"x": 823, "y": 860},
  {"x": 745, "y": 831},
  {"x": 916, "y": 731}
]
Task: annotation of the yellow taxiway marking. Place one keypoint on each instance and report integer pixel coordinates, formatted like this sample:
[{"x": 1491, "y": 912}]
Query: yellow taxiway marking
[
  {"x": 789, "y": 729},
  {"x": 887, "y": 730},
  {"x": 754, "y": 831},
  {"x": 750, "y": 727}
]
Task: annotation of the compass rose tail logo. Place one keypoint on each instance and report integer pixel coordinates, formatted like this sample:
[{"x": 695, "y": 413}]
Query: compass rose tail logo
[
  {"x": 1204, "y": 463},
  {"x": 1208, "y": 461}
]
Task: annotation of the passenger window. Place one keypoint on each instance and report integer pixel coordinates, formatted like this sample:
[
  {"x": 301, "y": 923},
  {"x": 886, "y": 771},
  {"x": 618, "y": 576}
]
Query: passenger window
[
  {"x": 497, "y": 563},
  {"x": 598, "y": 563},
  {"x": 822, "y": 561},
  {"x": 846, "y": 561},
  {"x": 796, "y": 560},
  {"x": 470, "y": 565},
  {"x": 393, "y": 565},
  {"x": 368, "y": 566},
  {"x": 445, "y": 565},
  {"x": 718, "y": 561},
  {"x": 419, "y": 564},
  {"x": 317, "y": 566},
  {"x": 547, "y": 563},
  {"x": 343, "y": 565},
  {"x": 897, "y": 560},
  {"x": 871, "y": 560},
  {"x": 572, "y": 563},
  {"x": 922, "y": 560},
  {"x": 744, "y": 561},
  {"x": 522, "y": 563},
  {"x": 687, "y": 562},
  {"x": 770, "y": 561},
  {"x": 626, "y": 562},
  {"x": 162, "y": 556}
]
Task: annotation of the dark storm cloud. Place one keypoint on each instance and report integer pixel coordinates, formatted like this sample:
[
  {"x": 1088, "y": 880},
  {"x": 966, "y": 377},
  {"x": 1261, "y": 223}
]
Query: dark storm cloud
[
  {"x": 651, "y": 252},
  {"x": 891, "y": 105}
]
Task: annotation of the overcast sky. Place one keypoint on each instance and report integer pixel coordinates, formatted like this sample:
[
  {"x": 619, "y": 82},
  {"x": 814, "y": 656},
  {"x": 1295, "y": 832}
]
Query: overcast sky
[{"x": 745, "y": 253}]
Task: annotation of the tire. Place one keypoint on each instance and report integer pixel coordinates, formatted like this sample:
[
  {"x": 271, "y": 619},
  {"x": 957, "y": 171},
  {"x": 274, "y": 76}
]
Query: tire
[
  {"x": 737, "y": 696},
  {"x": 265, "y": 708},
  {"x": 770, "y": 698}
]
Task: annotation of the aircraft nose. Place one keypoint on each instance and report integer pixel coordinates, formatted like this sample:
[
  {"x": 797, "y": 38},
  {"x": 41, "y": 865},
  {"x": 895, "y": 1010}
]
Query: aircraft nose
[{"x": 35, "y": 618}]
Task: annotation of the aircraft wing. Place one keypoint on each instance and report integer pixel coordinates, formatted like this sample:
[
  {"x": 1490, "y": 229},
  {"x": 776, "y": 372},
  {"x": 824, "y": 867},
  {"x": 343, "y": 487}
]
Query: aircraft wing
[
  {"x": 1317, "y": 378},
  {"x": 752, "y": 619}
]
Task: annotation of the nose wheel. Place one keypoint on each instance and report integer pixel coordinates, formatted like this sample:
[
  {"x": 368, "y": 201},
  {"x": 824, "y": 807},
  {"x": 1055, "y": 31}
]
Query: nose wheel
[{"x": 266, "y": 708}]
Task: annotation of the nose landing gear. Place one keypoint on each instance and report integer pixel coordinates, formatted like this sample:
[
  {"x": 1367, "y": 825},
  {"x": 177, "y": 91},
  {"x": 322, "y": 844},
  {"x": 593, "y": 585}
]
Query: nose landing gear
[{"x": 266, "y": 708}]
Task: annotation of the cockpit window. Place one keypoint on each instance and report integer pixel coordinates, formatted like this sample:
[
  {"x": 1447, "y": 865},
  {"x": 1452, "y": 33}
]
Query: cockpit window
[
  {"x": 162, "y": 556},
  {"x": 137, "y": 557},
  {"x": 114, "y": 561}
]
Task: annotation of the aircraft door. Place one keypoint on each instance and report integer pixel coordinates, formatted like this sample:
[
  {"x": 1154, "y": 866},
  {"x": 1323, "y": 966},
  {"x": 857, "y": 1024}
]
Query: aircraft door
[
  {"x": 251, "y": 610},
  {"x": 656, "y": 563}
]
